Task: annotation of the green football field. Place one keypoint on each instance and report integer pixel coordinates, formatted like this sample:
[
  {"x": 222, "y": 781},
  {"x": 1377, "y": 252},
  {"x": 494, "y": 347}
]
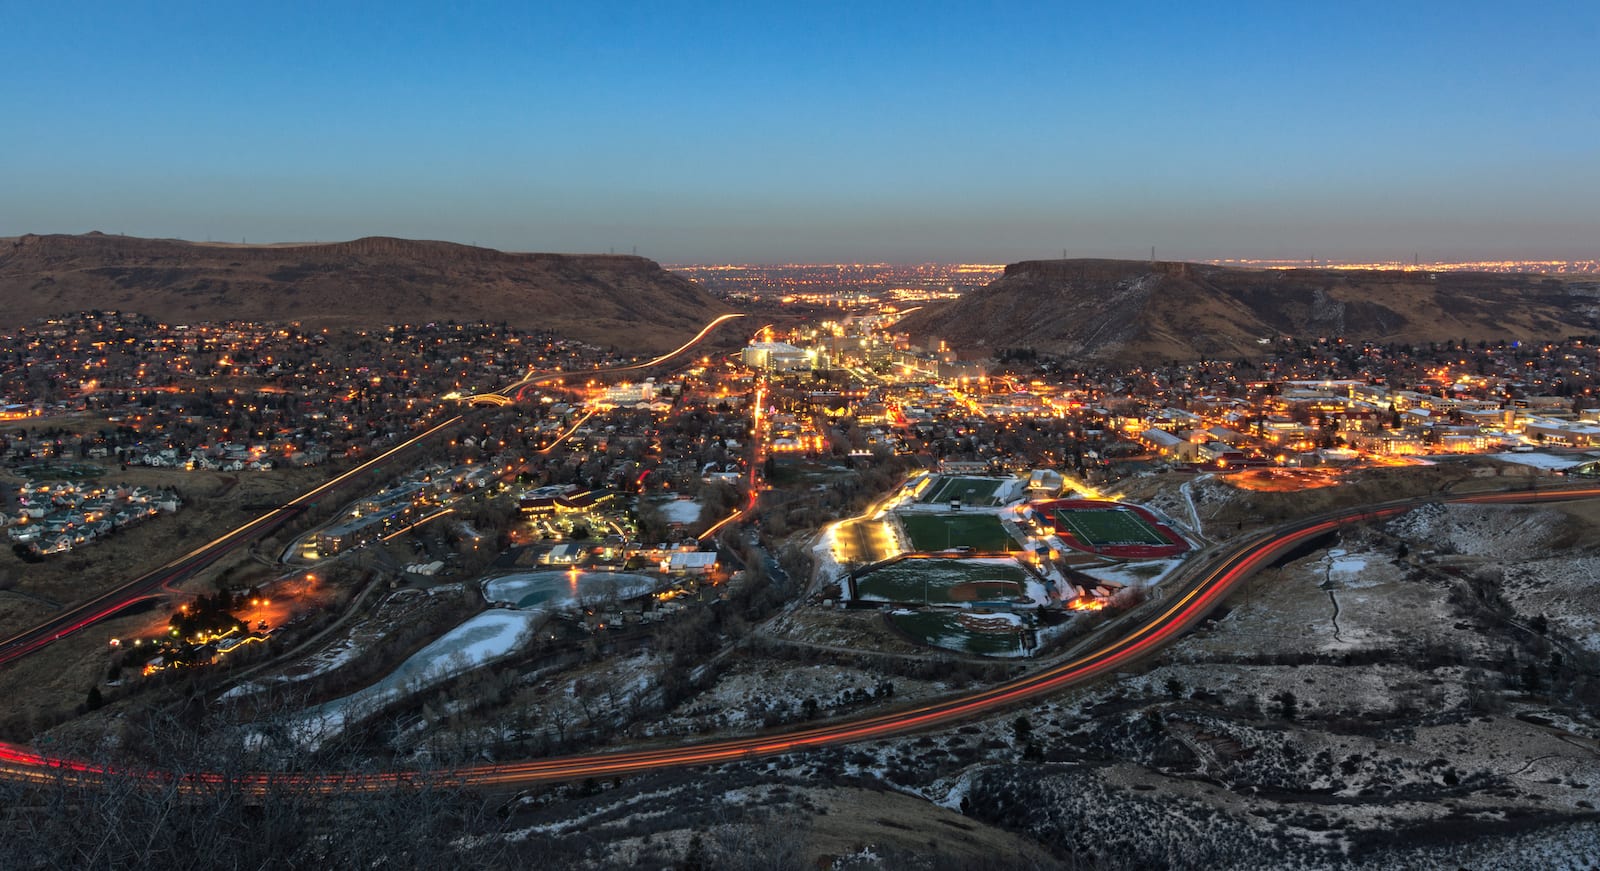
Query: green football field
[
  {"x": 981, "y": 532},
  {"x": 972, "y": 491},
  {"x": 1103, "y": 527}
]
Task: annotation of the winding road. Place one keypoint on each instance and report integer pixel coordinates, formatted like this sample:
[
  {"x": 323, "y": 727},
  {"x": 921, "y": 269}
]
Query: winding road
[
  {"x": 148, "y": 585},
  {"x": 1208, "y": 587}
]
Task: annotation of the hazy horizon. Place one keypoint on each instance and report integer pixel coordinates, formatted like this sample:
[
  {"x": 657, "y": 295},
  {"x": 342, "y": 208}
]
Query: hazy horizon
[
  {"x": 905, "y": 133},
  {"x": 1245, "y": 262}
]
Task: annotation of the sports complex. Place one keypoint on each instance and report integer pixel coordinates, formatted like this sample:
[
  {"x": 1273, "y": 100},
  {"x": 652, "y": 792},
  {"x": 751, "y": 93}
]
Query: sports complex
[
  {"x": 980, "y": 532},
  {"x": 1110, "y": 529},
  {"x": 938, "y": 581},
  {"x": 984, "y": 606},
  {"x": 963, "y": 489}
]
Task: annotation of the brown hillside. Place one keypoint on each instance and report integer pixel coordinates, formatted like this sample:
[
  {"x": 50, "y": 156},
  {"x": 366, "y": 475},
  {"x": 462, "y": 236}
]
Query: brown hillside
[
  {"x": 1130, "y": 311},
  {"x": 368, "y": 282}
]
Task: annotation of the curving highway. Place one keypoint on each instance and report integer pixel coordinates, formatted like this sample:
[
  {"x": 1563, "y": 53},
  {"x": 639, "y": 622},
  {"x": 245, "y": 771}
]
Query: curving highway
[
  {"x": 146, "y": 586},
  {"x": 1204, "y": 592},
  {"x": 531, "y": 378}
]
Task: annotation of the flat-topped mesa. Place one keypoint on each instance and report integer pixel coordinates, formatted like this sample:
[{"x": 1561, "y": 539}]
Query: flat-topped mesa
[
  {"x": 1132, "y": 311},
  {"x": 615, "y": 299},
  {"x": 57, "y": 246},
  {"x": 1097, "y": 269}
]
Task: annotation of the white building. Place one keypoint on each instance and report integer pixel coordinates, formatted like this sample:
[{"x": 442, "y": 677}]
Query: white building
[
  {"x": 776, "y": 356},
  {"x": 692, "y": 562}
]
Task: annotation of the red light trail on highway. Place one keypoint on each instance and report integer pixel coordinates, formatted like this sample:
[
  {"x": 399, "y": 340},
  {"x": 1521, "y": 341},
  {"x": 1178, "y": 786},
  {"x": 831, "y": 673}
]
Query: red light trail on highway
[
  {"x": 1203, "y": 595},
  {"x": 1206, "y": 593}
]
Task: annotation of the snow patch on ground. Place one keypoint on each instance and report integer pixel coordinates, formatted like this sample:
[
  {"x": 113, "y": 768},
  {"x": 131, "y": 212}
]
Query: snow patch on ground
[
  {"x": 1501, "y": 531},
  {"x": 1145, "y": 573},
  {"x": 1294, "y": 610},
  {"x": 1187, "y": 490},
  {"x": 1321, "y": 690},
  {"x": 752, "y": 693},
  {"x": 324, "y": 661},
  {"x": 685, "y": 511},
  {"x": 1565, "y": 590},
  {"x": 827, "y": 568},
  {"x": 993, "y": 622},
  {"x": 957, "y": 793},
  {"x": 1543, "y": 461}
]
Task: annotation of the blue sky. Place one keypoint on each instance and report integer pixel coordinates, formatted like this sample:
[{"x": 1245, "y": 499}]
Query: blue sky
[{"x": 815, "y": 131}]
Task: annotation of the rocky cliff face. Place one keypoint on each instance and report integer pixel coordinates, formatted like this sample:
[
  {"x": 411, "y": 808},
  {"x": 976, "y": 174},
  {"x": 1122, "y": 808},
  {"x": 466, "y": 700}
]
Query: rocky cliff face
[
  {"x": 1130, "y": 311},
  {"x": 366, "y": 282}
]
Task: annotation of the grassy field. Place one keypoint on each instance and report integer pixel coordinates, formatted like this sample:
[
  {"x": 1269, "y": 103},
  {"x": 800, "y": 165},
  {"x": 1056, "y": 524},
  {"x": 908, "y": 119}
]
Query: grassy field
[
  {"x": 982, "y": 532},
  {"x": 60, "y": 471},
  {"x": 1099, "y": 528},
  {"x": 945, "y": 629},
  {"x": 972, "y": 491},
  {"x": 941, "y": 581}
]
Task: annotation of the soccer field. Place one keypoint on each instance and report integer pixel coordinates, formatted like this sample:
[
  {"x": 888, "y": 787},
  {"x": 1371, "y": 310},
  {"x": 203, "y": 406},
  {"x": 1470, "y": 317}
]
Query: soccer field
[
  {"x": 972, "y": 491},
  {"x": 981, "y": 532},
  {"x": 1105, "y": 527}
]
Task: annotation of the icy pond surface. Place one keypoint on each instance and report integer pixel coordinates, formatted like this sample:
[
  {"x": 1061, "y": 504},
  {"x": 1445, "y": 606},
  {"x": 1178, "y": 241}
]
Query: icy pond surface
[{"x": 557, "y": 591}]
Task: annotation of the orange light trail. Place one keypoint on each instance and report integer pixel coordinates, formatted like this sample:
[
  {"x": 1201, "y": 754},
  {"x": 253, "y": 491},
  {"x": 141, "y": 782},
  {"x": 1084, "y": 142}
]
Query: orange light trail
[
  {"x": 1207, "y": 591},
  {"x": 704, "y": 331},
  {"x": 723, "y": 522},
  {"x": 568, "y": 433},
  {"x": 399, "y": 532}
]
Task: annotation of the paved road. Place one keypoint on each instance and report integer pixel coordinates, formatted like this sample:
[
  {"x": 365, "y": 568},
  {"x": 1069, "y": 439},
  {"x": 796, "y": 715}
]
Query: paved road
[
  {"x": 149, "y": 585},
  {"x": 1208, "y": 588}
]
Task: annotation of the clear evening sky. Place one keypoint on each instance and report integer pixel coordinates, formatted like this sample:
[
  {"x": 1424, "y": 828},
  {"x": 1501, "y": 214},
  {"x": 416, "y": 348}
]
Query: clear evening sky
[{"x": 809, "y": 131}]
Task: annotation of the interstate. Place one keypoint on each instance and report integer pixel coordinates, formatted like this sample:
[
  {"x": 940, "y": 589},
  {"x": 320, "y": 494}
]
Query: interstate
[
  {"x": 149, "y": 585},
  {"x": 1210, "y": 583}
]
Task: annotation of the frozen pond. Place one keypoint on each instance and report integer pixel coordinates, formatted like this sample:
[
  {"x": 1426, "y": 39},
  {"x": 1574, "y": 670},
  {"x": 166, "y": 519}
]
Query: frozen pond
[
  {"x": 481, "y": 639},
  {"x": 557, "y": 591}
]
